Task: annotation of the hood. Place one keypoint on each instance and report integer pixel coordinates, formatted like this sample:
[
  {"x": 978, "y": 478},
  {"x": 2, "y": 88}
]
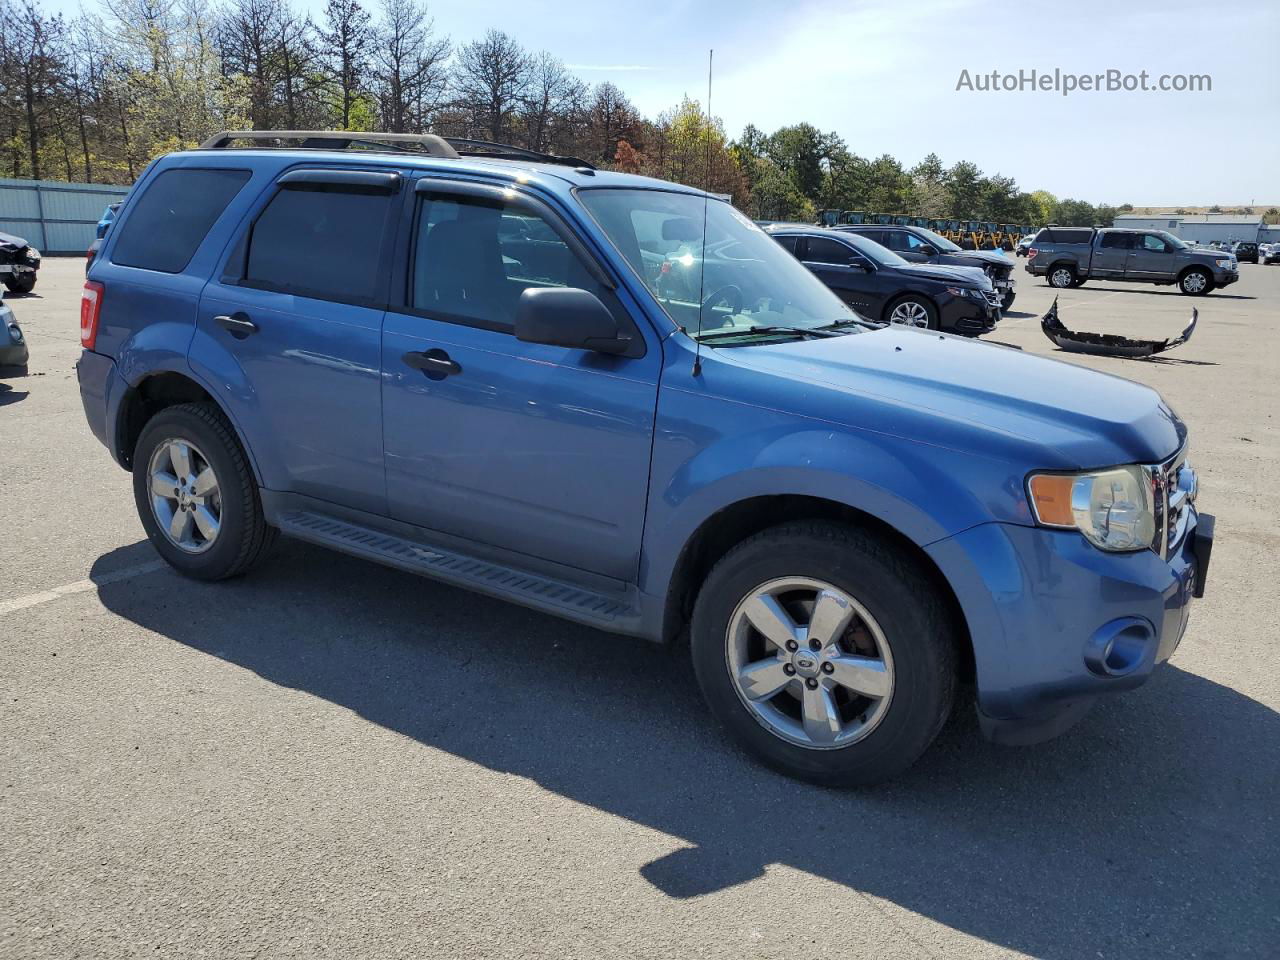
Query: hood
[
  {"x": 976, "y": 397},
  {"x": 9, "y": 240},
  {"x": 983, "y": 256},
  {"x": 947, "y": 273}
]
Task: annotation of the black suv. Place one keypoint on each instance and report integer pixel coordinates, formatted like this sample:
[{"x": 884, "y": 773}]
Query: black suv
[
  {"x": 1245, "y": 252},
  {"x": 883, "y": 286},
  {"x": 924, "y": 246}
]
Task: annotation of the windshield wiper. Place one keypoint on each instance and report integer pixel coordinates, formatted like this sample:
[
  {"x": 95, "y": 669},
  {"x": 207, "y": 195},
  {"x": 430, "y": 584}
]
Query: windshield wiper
[
  {"x": 766, "y": 330},
  {"x": 853, "y": 321}
]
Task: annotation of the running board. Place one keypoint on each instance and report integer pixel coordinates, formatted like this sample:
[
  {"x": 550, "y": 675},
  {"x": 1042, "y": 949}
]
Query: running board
[{"x": 517, "y": 586}]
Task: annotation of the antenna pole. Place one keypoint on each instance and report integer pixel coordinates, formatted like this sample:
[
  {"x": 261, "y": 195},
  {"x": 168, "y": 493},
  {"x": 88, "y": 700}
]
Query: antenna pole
[{"x": 706, "y": 200}]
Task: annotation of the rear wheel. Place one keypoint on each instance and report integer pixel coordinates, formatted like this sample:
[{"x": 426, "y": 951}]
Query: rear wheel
[
  {"x": 1062, "y": 277},
  {"x": 196, "y": 496},
  {"x": 825, "y": 652},
  {"x": 913, "y": 311}
]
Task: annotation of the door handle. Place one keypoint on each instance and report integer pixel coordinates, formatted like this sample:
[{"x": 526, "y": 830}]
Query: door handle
[
  {"x": 237, "y": 324},
  {"x": 435, "y": 363}
]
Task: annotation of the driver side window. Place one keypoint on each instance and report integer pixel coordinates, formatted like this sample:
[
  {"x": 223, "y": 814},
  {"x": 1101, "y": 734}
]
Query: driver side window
[{"x": 1154, "y": 244}]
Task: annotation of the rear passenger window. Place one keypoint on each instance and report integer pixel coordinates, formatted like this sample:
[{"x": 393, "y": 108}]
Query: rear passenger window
[
  {"x": 320, "y": 241},
  {"x": 170, "y": 219},
  {"x": 474, "y": 257}
]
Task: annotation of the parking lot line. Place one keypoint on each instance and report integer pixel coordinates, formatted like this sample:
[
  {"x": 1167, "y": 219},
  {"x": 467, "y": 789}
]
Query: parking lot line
[{"x": 79, "y": 586}]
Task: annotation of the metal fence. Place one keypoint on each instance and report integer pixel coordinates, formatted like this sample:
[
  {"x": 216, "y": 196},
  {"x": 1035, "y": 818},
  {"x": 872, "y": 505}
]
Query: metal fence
[{"x": 52, "y": 216}]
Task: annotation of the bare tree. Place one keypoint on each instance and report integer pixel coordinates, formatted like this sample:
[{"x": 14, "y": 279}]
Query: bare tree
[
  {"x": 32, "y": 70},
  {"x": 491, "y": 77},
  {"x": 550, "y": 92},
  {"x": 408, "y": 66}
]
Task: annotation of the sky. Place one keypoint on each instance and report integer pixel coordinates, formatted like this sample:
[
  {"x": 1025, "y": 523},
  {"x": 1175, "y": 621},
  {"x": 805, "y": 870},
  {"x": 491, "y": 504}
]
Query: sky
[{"x": 884, "y": 74}]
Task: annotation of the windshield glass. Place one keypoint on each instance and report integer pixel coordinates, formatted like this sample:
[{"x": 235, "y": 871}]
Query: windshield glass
[
  {"x": 939, "y": 241},
  {"x": 749, "y": 281}
]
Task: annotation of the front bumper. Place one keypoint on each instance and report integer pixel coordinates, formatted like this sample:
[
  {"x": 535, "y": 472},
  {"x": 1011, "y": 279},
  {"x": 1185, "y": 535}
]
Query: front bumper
[
  {"x": 967, "y": 316},
  {"x": 1056, "y": 623},
  {"x": 1224, "y": 278},
  {"x": 18, "y": 269}
]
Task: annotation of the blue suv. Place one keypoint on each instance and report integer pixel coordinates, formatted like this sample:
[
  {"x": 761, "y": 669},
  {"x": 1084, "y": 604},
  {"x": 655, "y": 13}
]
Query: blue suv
[{"x": 494, "y": 368}]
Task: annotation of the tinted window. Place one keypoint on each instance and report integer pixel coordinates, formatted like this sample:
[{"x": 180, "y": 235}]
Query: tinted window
[
  {"x": 1117, "y": 241},
  {"x": 474, "y": 257},
  {"x": 826, "y": 250},
  {"x": 170, "y": 219},
  {"x": 787, "y": 243},
  {"x": 317, "y": 241}
]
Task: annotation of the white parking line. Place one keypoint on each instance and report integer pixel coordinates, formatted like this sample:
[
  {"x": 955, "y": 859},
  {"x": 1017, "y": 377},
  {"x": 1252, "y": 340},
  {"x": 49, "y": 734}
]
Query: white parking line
[{"x": 80, "y": 586}]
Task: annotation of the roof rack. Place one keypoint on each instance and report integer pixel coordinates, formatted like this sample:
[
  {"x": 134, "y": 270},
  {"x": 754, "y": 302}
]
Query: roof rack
[
  {"x": 487, "y": 148},
  {"x": 428, "y": 143}
]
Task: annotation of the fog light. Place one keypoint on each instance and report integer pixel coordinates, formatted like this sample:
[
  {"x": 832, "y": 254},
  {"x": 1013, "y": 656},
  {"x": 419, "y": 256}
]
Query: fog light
[{"x": 1120, "y": 647}]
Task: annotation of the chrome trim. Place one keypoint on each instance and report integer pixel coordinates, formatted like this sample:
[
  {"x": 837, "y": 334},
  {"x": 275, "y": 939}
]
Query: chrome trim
[{"x": 1174, "y": 487}]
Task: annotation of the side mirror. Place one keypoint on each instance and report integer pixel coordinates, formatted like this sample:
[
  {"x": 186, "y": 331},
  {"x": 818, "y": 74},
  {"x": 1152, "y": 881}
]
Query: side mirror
[
  {"x": 929, "y": 250},
  {"x": 568, "y": 317},
  {"x": 859, "y": 265}
]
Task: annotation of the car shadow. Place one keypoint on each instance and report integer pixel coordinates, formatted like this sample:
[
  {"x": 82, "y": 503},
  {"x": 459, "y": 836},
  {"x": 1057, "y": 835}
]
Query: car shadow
[
  {"x": 1111, "y": 288},
  {"x": 1018, "y": 314},
  {"x": 9, "y": 395},
  {"x": 1150, "y": 824}
]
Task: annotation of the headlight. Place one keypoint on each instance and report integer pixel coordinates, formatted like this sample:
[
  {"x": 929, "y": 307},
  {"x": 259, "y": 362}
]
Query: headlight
[
  {"x": 33, "y": 253},
  {"x": 964, "y": 292},
  {"x": 15, "y": 333},
  {"x": 1223, "y": 264},
  {"x": 1114, "y": 509}
]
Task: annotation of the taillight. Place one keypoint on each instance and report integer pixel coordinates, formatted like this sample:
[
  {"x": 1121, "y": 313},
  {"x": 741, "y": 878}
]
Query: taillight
[
  {"x": 90, "y": 311},
  {"x": 88, "y": 256},
  {"x": 1031, "y": 252}
]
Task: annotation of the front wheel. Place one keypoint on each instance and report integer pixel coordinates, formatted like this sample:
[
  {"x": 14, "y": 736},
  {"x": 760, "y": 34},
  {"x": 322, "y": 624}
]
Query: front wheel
[
  {"x": 1195, "y": 282},
  {"x": 913, "y": 311},
  {"x": 1007, "y": 300},
  {"x": 20, "y": 284},
  {"x": 196, "y": 496},
  {"x": 825, "y": 652}
]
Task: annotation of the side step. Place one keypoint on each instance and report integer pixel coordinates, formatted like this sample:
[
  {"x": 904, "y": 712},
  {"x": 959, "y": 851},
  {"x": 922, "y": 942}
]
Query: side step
[{"x": 605, "y": 611}]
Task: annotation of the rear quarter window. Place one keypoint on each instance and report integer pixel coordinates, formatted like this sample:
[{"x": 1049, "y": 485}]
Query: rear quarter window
[{"x": 172, "y": 217}]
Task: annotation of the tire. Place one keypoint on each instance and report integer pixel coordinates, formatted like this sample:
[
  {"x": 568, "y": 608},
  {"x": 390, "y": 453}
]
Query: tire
[
  {"x": 1007, "y": 300},
  {"x": 1061, "y": 276},
  {"x": 23, "y": 284},
  {"x": 907, "y": 627},
  {"x": 923, "y": 312},
  {"x": 231, "y": 507},
  {"x": 1079, "y": 282},
  {"x": 1196, "y": 282}
]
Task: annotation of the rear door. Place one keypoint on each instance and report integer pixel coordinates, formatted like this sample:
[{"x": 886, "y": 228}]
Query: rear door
[
  {"x": 291, "y": 329},
  {"x": 1111, "y": 257},
  {"x": 538, "y": 451}
]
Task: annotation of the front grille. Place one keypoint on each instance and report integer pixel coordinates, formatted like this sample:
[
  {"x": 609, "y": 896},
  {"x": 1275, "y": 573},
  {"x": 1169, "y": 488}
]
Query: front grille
[{"x": 1175, "y": 491}]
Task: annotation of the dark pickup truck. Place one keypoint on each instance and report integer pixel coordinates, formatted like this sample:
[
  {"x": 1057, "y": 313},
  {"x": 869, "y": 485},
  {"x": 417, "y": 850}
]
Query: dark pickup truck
[{"x": 1069, "y": 256}]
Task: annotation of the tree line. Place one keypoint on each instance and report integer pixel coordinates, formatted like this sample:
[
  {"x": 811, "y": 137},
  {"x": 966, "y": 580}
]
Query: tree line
[{"x": 96, "y": 96}]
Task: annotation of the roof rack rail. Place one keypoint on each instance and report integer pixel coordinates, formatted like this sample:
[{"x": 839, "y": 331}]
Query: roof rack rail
[
  {"x": 427, "y": 143},
  {"x": 487, "y": 148}
]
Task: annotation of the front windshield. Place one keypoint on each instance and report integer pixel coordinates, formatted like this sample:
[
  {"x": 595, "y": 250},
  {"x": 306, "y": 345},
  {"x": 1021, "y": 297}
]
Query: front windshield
[
  {"x": 749, "y": 280},
  {"x": 939, "y": 241}
]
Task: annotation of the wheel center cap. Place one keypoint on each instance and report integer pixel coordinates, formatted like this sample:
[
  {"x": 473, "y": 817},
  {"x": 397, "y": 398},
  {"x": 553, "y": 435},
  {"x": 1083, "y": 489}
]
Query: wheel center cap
[{"x": 807, "y": 663}]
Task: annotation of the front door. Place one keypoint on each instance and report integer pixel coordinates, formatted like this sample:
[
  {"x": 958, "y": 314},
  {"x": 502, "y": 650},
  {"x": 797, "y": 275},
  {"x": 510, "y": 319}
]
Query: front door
[
  {"x": 537, "y": 450},
  {"x": 291, "y": 331},
  {"x": 1151, "y": 259},
  {"x": 846, "y": 272}
]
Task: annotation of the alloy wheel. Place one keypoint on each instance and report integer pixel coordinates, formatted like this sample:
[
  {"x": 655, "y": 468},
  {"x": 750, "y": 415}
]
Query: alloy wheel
[
  {"x": 810, "y": 662},
  {"x": 185, "y": 498},
  {"x": 911, "y": 314}
]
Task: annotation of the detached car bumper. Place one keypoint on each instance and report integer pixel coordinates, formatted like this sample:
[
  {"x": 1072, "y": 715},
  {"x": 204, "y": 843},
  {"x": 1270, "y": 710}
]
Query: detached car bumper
[{"x": 1056, "y": 622}]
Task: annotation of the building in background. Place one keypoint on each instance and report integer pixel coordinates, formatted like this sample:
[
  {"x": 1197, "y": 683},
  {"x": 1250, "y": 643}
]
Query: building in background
[{"x": 1199, "y": 227}]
